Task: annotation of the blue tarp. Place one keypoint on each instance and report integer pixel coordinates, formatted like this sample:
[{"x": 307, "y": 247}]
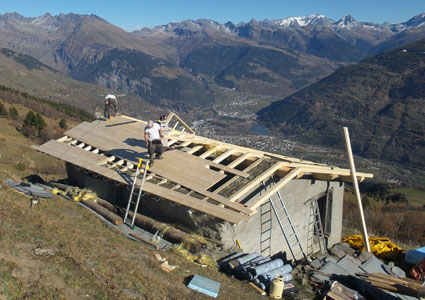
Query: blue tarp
[{"x": 415, "y": 256}]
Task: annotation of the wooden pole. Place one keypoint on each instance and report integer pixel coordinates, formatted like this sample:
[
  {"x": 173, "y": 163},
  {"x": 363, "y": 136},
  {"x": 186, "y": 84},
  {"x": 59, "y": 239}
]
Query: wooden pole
[
  {"x": 170, "y": 233},
  {"x": 107, "y": 214},
  {"x": 356, "y": 187}
]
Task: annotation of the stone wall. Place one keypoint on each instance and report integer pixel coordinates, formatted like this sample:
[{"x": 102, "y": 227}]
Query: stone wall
[{"x": 296, "y": 195}]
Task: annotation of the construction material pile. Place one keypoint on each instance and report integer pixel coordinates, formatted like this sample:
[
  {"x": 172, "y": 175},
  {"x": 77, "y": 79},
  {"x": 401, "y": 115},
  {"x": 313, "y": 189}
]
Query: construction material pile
[{"x": 256, "y": 268}]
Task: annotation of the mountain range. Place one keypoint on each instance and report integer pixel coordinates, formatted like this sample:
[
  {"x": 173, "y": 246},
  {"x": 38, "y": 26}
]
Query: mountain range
[
  {"x": 381, "y": 100},
  {"x": 184, "y": 64}
]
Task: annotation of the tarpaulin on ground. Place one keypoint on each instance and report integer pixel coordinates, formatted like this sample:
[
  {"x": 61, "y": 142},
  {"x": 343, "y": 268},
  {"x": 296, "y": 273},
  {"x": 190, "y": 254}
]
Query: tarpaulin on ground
[
  {"x": 29, "y": 189},
  {"x": 381, "y": 247}
]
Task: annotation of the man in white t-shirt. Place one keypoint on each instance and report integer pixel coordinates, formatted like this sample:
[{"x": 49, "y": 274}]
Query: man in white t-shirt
[
  {"x": 111, "y": 103},
  {"x": 153, "y": 134}
]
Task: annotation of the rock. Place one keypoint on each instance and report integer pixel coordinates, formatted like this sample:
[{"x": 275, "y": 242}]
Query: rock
[{"x": 46, "y": 251}]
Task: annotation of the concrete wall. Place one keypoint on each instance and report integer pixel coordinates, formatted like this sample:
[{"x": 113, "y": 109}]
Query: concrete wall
[{"x": 294, "y": 195}]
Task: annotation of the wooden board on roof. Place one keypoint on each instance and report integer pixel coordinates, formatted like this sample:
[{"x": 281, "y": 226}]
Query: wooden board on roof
[
  {"x": 90, "y": 161},
  {"x": 177, "y": 166}
]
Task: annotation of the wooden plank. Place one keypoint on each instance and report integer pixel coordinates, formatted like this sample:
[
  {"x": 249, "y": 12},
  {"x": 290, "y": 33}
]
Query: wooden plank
[
  {"x": 185, "y": 144},
  {"x": 291, "y": 175},
  {"x": 173, "y": 115},
  {"x": 226, "y": 168},
  {"x": 260, "y": 291},
  {"x": 177, "y": 166},
  {"x": 194, "y": 149},
  {"x": 209, "y": 152},
  {"x": 229, "y": 182},
  {"x": 144, "y": 240},
  {"x": 240, "y": 159},
  {"x": 325, "y": 177},
  {"x": 224, "y": 155},
  {"x": 254, "y": 183},
  {"x": 181, "y": 168}
]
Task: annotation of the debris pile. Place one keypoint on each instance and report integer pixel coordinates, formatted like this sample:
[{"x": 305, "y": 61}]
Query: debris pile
[
  {"x": 259, "y": 270},
  {"x": 360, "y": 274}
]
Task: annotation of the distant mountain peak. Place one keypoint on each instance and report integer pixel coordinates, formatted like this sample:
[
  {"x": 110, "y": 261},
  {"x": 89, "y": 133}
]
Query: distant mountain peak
[
  {"x": 314, "y": 19},
  {"x": 347, "y": 22},
  {"x": 416, "y": 21}
]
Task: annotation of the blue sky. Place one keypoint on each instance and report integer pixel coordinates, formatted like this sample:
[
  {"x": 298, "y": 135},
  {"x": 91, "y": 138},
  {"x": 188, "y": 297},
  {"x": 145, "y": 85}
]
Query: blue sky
[{"x": 133, "y": 14}]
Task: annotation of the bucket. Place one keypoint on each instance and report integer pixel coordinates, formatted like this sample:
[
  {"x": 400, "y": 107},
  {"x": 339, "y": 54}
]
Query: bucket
[{"x": 276, "y": 288}]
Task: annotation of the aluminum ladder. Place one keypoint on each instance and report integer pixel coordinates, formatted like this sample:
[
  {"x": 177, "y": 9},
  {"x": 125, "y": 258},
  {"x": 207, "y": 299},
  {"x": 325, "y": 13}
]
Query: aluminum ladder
[
  {"x": 288, "y": 230},
  {"x": 130, "y": 199},
  {"x": 316, "y": 229},
  {"x": 266, "y": 229}
]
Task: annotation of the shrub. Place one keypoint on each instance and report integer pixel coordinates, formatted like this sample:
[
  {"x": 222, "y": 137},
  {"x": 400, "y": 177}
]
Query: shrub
[
  {"x": 13, "y": 113},
  {"x": 20, "y": 166},
  {"x": 62, "y": 124},
  {"x": 3, "y": 111}
]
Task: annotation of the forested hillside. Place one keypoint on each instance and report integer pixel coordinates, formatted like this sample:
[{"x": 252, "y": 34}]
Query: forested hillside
[{"x": 381, "y": 100}]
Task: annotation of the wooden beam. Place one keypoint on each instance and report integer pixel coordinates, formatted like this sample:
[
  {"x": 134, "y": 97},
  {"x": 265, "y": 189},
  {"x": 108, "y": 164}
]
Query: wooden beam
[
  {"x": 185, "y": 144},
  {"x": 350, "y": 179},
  {"x": 226, "y": 184},
  {"x": 325, "y": 177},
  {"x": 224, "y": 155},
  {"x": 291, "y": 175},
  {"x": 62, "y": 139},
  {"x": 194, "y": 149},
  {"x": 209, "y": 152},
  {"x": 240, "y": 159},
  {"x": 226, "y": 169},
  {"x": 254, "y": 183},
  {"x": 172, "y": 142},
  {"x": 327, "y": 170},
  {"x": 185, "y": 126}
]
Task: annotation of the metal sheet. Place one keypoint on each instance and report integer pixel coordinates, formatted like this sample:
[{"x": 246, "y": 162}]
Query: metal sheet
[
  {"x": 373, "y": 265},
  {"x": 350, "y": 264}
]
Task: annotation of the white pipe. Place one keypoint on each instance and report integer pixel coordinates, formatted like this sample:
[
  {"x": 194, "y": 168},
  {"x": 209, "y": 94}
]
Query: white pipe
[{"x": 356, "y": 187}]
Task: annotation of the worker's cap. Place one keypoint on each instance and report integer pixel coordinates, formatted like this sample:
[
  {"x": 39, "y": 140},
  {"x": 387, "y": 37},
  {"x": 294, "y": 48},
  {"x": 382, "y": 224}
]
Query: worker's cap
[
  {"x": 110, "y": 96},
  {"x": 150, "y": 123}
]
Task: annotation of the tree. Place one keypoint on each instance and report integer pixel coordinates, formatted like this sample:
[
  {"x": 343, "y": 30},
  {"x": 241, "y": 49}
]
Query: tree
[
  {"x": 33, "y": 122},
  {"x": 62, "y": 124},
  {"x": 3, "y": 111},
  {"x": 13, "y": 113},
  {"x": 40, "y": 123}
]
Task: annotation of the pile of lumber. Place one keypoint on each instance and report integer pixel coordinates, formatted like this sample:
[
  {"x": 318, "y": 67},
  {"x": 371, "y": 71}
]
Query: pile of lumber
[{"x": 404, "y": 286}]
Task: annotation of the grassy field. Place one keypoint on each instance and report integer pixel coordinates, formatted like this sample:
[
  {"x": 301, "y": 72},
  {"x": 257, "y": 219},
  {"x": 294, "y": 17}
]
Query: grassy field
[
  {"x": 414, "y": 196},
  {"x": 402, "y": 223},
  {"x": 90, "y": 260}
]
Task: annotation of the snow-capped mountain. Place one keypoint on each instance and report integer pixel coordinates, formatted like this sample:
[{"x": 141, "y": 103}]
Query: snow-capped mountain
[{"x": 311, "y": 20}]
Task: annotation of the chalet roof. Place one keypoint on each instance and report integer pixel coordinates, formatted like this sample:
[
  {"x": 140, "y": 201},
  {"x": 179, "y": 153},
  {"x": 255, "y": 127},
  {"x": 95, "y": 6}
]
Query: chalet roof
[{"x": 204, "y": 174}]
